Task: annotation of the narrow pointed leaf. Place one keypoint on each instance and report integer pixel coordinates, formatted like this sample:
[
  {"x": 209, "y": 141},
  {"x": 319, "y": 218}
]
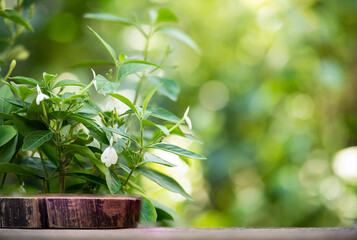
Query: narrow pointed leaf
[
  {"x": 125, "y": 101},
  {"x": 108, "y": 17},
  {"x": 121, "y": 133},
  {"x": 163, "y": 114},
  {"x": 163, "y": 180},
  {"x": 161, "y": 127},
  {"x": 151, "y": 158},
  {"x": 64, "y": 83},
  {"x": 17, "y": 169},
  {"x": 169, "y": 88},
  {"x": 106, "y": 45},
  {"x": 26, "y": 80},
  {"x": 142, "y": 62},
  {"x": 181, "y": 36},
  {"x": 148, "y": 97},
  {"x": 16, "y": 18},
  {"x": 87, "y": 177},
  {"x": 177, "y": 150}
]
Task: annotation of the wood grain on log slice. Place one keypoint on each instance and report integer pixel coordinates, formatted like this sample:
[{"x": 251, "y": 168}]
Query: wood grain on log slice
[{"x": 69, "y": 212}]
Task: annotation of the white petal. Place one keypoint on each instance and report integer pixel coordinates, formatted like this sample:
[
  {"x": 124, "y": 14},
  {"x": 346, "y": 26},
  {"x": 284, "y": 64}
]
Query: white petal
[
  {"x": 186, "y": 113},
  {"x": 40, "y": 97},
  {"x": 111, "y": 141},
  {"x": 94, "y": 75},
  {"x": 38, "y": 90},
  {"x": 189, "y": 123}
]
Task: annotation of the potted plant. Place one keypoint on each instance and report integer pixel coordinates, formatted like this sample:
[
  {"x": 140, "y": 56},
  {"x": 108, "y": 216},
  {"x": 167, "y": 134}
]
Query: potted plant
[{"x": 59, "y": 141}]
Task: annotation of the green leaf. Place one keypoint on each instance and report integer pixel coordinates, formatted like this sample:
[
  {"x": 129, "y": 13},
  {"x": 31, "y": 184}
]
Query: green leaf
[
  {"x": 113, "y": 181},
  {"x": 177, "y": 150},
  {"x": 151, "y": 158},
  {"x": 107, "y": 17},
  {"x": 34, "y": 111},
  {"x": 50, "y": 150},
  {"x": 163, "y": 180},
  {"x": 162, "y": 215},
  {"x": 36, "y": 163},
  {"x": 16, "y": 103},
  {"x": 17, "y": 169},
  {"x": 106, "y": 45},
  {"x": 142, "y": 62},
  {"x": 181, "y": 36},
  {"x": 26, "y": 80},
  {"x": 25, "y": 92},
  {"x": 5, "y": 116},
  {"x": 179, "y": 132},
  {"x": 147, "y": 212},
  {"x": 148, "y": 98},
  {"x": 8, "y": 150},
  {"x": 163, "y": 114},
  {"x": 165, "y": 15},
  {"x": 48, "y": 77},
  {"x": 121, "y": 133},
  {"x": 91, "y": 63},
  {"x": 169, "y": 88},
  {"x": 105, "y": 86},
  {"x": 36, "y": 139},
  {"x": 87, "y": 177},
  {"x": 25, "y": 126},
  {"x": 125, "y": 101},
  {"x": 7, "y": 132},
  {"x": 5, "y": 92},
  {"x": 131, "y": 68},
  {"x": 16, "y": 18},
  {"x": 86, "y": 152},
  {"x": 13, "y": 87},
  {"x": 95, "y": 130},
  {"x": 146, "y": 122},
  {"x": 64, "y": 83}
]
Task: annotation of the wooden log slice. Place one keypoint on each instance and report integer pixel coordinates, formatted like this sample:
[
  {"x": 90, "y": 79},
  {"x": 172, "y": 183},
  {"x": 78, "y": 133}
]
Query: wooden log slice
[{"x": 69, "y": 212}]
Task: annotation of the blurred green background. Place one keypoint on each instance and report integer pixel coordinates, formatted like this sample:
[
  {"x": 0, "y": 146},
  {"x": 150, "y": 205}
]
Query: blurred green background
[{"x": 272, "y": 96}]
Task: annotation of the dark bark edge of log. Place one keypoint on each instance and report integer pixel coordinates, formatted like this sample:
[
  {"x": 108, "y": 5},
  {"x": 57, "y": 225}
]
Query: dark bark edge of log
[{"x": 69, "y": 212}]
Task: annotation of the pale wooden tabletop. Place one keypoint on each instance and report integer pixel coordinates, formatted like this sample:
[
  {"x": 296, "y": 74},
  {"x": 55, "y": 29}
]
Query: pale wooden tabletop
[{"x": 182, "y": 233}]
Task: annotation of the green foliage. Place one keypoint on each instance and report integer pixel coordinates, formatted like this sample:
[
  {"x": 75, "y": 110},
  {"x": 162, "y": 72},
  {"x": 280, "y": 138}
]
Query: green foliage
[{"x": 52, "y": 135}]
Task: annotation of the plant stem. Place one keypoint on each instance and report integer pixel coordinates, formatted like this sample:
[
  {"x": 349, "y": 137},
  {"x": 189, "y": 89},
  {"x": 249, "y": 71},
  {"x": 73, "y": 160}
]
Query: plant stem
[
  {"x": 46, "y": 186},
  {"x": 62, "y": 178},
  {"x": 44, "y": 111},
  {"x": 117, "y": 68},
  {"x": 3, "y": 181},
  {"x": 86, "y": 88}
]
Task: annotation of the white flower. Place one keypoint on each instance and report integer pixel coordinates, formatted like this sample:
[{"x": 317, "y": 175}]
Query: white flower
[
  {"x": 40, "y": 95},
  {"x": 187, "y": 119},
  {"x": 109, "y": 156},
  {"x": 94, "y": 81}
]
